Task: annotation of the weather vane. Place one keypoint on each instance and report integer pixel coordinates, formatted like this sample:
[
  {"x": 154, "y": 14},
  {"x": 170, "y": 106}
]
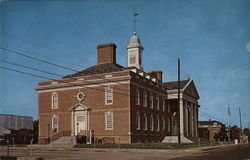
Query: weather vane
[{"x": 135, "y": 14}]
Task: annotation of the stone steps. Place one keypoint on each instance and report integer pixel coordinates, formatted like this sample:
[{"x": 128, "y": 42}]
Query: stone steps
[{"x": 174, "y": 139}]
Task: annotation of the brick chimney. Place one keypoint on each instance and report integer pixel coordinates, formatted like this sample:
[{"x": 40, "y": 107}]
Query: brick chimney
[
  {"x": 106, "y": 53},
  {"x": 157, "y": 75}
]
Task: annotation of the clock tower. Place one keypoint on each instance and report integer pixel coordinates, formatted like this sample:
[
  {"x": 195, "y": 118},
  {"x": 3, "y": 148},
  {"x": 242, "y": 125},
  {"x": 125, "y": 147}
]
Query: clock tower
[{"x": 135, "y": 52}]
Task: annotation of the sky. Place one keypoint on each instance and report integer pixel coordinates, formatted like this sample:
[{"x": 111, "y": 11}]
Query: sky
[{"x": 211, "y": 38}]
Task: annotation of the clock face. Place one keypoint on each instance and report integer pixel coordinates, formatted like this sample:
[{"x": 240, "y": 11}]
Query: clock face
[{"x": 132, "y": 55}]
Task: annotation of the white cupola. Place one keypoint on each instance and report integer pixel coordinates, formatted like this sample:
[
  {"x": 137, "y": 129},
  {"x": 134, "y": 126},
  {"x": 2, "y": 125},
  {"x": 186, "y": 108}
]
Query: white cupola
[{"x": 135, "y": 52}]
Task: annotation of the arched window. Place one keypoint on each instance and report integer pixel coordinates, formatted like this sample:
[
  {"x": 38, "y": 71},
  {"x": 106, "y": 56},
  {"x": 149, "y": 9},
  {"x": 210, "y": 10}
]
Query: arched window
[
  {"x": 108, "y": 120},
  {"x": 138, "y": 121}
]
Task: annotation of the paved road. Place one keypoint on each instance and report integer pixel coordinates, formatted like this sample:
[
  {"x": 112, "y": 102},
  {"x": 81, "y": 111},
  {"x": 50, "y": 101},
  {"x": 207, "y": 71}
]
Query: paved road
[{"x": 235, "y": 152}]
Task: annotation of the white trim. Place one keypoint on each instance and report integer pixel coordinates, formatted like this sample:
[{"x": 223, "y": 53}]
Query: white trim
[{"x": 83, "y": 86}]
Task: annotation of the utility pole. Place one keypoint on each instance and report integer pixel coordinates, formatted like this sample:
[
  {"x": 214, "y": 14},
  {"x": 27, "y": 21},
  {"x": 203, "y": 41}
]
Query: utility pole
[
  {"x": 240, "y": 120},
  {"x": 178, "y": 108}
]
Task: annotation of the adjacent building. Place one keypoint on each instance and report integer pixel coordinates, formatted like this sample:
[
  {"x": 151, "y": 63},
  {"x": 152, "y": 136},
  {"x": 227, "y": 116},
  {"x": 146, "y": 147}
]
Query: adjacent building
[
  {"x": 10, "y": 122},
  {"x": 114, "y": 103},
  {"x": 208, "y": 129}
]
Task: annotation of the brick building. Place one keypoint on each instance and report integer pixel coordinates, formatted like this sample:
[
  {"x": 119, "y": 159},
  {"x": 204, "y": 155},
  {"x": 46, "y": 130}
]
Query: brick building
[
  {"x": 118, "y": 104},
  {"x": 208, "y": 129}
]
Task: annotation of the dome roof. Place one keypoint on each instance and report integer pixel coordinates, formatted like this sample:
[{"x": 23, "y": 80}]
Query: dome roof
[{"x": 134, "y": 41}]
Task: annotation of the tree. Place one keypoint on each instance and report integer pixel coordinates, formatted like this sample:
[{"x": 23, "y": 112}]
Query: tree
[
  {"x": 35, "y": 131},
  {"x": 234, "y": 132},
  {"x": 222, "y": 135}
]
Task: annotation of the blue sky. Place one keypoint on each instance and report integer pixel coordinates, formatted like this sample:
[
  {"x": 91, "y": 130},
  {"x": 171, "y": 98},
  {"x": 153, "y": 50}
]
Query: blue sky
[{"x": 209, "y": 36}]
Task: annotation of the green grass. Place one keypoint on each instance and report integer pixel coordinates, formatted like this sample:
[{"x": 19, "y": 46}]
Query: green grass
[{"x": 148, "y": 145}]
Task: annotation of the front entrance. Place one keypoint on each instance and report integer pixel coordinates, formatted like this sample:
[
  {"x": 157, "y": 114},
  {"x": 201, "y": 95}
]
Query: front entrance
[{"x": 80, "y": 120}]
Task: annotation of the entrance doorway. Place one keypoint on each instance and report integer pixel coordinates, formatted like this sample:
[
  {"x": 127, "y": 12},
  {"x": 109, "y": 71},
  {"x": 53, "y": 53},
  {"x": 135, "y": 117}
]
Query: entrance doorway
[{"x": 80, "y": 120}]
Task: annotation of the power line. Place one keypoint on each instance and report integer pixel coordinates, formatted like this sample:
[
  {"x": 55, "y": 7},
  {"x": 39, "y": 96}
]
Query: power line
[
  {"x": 31, "y": 68},
  {"x": 38, "y": 76},
  {"x": 30, "y": 57}
]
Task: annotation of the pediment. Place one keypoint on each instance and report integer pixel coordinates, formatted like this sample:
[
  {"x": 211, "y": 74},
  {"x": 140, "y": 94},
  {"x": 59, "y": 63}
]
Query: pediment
[
  {"x": 78, "y": 107},
  {"x": 191, "y": 90}
]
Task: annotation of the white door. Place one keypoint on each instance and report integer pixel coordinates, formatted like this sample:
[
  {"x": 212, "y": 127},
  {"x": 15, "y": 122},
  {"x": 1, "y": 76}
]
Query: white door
[{"x": 80, "y": 123}]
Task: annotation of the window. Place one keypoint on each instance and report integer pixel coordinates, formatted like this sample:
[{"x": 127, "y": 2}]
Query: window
[
  {"x": 157, "y": 103},
  {"x": 158, "y": 123},
  {"x": 54, "y": 123},
  {"x": 145, "y": 122},
  {"x": 54, "y": 100},
  {"x": 163, "y": 104},
  {"x": 168, "y": 107},
  {"x": 163, "y": 123},
  {"x": 169, "y": 124},
  {"x": 108, "y": 96},
  {"x": 151, "y": 101},
  {"x": 145, "y": 99},
  {"x": 108, "y": 120},
  {"x": 138, "y": 121},
  {"x": 137, "y": 96},
  {"x": 151, "y": 122}
]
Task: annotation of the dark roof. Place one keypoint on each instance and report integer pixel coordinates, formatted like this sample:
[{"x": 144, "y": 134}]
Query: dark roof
[
  {"x": 97, "y": 69},
  {"x": 174, "y": 84},
  {"x": 209, "y": 122}
]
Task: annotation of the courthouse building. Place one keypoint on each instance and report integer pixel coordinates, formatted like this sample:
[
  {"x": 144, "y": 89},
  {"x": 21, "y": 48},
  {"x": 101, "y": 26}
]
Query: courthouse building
[{"x": 116, "y": 103}]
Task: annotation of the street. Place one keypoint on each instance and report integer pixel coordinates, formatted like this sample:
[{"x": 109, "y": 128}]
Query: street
[{"x": 234, "y": 152}]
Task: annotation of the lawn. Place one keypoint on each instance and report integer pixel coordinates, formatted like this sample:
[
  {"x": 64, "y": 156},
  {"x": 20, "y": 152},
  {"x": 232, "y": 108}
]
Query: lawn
[{"x": 149, "y": 145}]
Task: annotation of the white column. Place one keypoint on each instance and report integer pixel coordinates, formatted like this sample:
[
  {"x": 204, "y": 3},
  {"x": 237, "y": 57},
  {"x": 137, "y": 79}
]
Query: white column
[
  {"x": 192, "y": 119},
  {"x": 195, "y": 120},
  {"x": 186, "y": 117},
  {"x": 181, "y": 118}
]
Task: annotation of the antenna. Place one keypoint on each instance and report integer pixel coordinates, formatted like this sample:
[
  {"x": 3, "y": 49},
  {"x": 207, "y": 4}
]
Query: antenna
[{"x": 135, "y": 14}]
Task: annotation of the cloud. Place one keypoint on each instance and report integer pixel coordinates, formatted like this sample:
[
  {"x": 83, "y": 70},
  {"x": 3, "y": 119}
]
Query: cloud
[{"x": 248, "y": 46}]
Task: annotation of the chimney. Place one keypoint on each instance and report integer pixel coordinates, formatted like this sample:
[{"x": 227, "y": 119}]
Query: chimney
[
  {"x": 106, "y": 53},
  {"x": 157, "y": 75}
]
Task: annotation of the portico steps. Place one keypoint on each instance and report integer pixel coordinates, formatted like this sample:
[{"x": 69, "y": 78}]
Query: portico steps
[{"x": 174, "y": 139}]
